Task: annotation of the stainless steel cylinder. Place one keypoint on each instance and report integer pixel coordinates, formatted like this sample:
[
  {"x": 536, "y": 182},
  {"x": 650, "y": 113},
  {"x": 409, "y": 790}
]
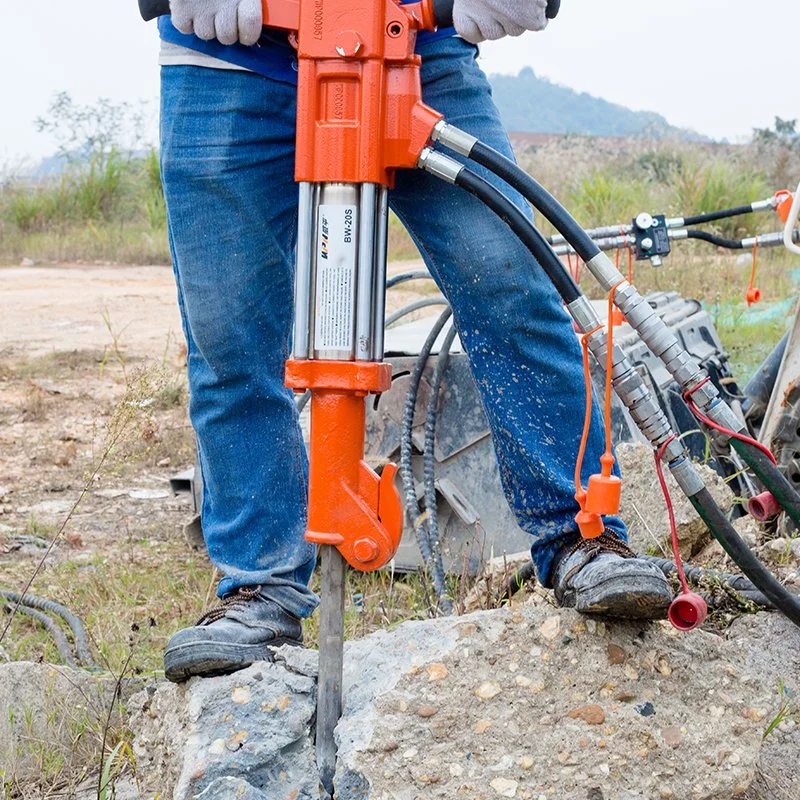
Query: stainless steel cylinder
[
  {"x": 340, "y": 274},
  {"x": 365, "y": 290},
  {"x": 381, "y": 248},
  {"x": 303, "y": 271},
  {"x": 335, "y": 262}
]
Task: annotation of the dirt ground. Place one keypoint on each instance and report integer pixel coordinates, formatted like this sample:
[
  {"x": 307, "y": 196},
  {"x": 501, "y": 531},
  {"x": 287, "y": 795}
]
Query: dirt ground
[
  {"x": 73, "y": 339},
  {"x": 47, "y": 309}
]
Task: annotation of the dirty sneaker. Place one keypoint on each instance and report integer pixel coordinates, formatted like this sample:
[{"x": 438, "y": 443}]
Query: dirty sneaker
[
  {"x": 603, "y": 576},
  {"x": 231, "y": 636}
]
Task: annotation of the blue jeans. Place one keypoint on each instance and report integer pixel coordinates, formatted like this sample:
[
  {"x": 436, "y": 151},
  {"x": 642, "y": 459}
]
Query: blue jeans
[{"x": 227, "y": 150}]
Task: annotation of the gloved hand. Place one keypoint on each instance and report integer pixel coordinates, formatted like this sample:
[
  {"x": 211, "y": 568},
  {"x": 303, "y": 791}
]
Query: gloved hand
[
  {"x": 476, "y": 20},
  {"x": 228, "y": 21}
]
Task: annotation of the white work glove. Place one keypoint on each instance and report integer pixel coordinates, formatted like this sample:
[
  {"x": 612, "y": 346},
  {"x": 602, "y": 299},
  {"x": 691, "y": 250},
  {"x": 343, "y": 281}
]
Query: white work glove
[
  {"x": 476, "y": 20},
  {"x": 228, "y": 21}
]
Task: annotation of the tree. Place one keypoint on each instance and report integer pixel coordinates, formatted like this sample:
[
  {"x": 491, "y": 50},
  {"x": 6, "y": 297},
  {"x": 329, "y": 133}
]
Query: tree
[
  {"x": 93, "y": 132},
  {"x": 784, "y": 134}
]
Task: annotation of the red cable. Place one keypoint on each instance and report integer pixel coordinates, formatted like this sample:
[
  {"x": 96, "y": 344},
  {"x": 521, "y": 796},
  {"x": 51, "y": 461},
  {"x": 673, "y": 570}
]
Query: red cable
[
  {"x": 575, "y": 273},
  {"x": 673, "y": 528},
  {"x": 727, "y": 431}
]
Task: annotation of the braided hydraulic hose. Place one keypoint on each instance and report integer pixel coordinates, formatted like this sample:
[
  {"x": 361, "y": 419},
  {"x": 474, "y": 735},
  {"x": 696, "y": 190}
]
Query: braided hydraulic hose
[
  {"x": 406, "y": 445},
  {"x": 74, "y": 623},
  {"x": 50, "y": 625},
  {"x": 429, "y": 472}
]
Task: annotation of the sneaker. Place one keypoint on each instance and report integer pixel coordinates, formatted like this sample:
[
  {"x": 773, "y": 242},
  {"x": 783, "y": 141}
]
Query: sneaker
[
  {"x": 603, "y": 576},
  {"x": 231, "y": 636}
]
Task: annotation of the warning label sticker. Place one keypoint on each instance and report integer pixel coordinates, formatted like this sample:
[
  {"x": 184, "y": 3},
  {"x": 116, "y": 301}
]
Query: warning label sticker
[{"x": 336, "y": 272}]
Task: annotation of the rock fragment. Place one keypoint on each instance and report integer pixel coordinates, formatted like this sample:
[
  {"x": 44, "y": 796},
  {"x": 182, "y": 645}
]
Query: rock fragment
[{"x": 590, "y": 714}]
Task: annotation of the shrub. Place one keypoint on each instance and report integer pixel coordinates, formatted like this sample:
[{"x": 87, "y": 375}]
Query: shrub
[
  {"x": 697, "y": 187},
  {"x": 605, "y": 197}
]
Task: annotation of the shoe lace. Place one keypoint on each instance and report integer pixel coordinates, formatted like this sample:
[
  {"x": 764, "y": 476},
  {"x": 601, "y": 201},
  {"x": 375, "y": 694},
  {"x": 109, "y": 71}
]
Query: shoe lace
[
  {"x": 607, "y": 542},
  {"x": 236, "y": 601}
]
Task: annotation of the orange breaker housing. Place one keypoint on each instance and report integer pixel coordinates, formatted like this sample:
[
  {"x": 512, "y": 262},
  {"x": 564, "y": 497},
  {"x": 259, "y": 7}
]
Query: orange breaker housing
[{"x": 360, "y": 116}]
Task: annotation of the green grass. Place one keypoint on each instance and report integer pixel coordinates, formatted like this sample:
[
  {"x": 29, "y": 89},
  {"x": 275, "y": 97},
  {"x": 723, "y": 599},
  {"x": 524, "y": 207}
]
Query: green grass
[
  {"x": 604, "y": 196},
  {"x": 787, "y": 708},
  {"x": 115, "y": 595},
  {"x": 749, "y": 344},
  {"x": 130, "y": 603}
]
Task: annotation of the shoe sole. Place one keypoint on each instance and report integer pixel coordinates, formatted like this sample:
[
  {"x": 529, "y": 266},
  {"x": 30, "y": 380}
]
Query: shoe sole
[
  {"x": 613, "y": 598},
  {"x": 208, "y": 659}
]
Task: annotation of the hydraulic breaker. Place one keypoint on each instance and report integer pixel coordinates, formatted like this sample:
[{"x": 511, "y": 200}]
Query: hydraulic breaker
[{"x": 359, "y": 117}]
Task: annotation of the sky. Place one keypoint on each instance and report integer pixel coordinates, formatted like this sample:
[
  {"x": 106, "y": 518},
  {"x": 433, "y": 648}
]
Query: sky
[{"x": 720, "y": 67}]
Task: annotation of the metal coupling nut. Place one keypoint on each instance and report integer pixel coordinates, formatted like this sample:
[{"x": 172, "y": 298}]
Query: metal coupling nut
[
  {"x": 721, "y": 413},
  {"x": 440, "y": 165},
  {"x": 604, "y": 271},
  {"x": 454, "y": 138},
  {"x": 686, "y": 476},
  {"x": 582, "y": 311}
]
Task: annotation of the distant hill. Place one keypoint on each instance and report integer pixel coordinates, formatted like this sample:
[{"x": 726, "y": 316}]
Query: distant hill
[{"x": 533, "y": 104}]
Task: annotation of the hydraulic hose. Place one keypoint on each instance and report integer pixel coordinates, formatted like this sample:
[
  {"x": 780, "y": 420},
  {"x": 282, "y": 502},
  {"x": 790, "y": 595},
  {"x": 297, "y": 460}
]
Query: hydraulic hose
[
  {"x": 429, "y": 472},
  {"x": 403, "y": 277},
  {"x": 628, "y": 383},
  {"x": 425, "y": 302},
  {"x": 522, "y": 227},
  {"x": 50, "y": 625},
  {"x": 713, "y": 216},
  {"x": 687, "y": 478},
  {"x": 769, "y": 474},
  {"x": 735, "y": 547},
  {"x": 659, "y": 339},
  {"x": 728, "y": 244},
  {"x": 406, "y": 445},
  {"x": 651, "y": 328},
  {"x": 542, "y": 200},
  {"x": 74, "y": 623}
]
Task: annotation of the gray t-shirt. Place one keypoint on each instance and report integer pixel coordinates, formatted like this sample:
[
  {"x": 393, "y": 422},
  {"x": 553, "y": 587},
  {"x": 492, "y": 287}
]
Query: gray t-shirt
[{"x": 175, "y": 54}]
